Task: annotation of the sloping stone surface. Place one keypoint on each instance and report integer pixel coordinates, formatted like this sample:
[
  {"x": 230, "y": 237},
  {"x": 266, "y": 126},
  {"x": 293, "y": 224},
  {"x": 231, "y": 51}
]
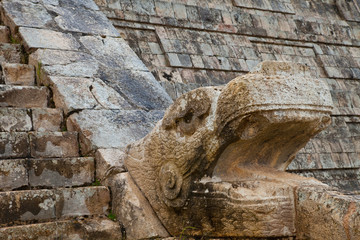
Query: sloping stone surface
[{"x": 118, "y": 127}]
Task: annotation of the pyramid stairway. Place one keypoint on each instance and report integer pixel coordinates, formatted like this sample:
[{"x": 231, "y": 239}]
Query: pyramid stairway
[{"x": 47, "y": 188}]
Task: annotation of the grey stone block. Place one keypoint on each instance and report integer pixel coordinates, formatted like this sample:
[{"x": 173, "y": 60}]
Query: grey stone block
[
  {"x": 17, "y": 14},
  {"x": 80, "y": 19},
  {"x": 49, "y": 39},
  {"x": 13, "y": 174},
  {"x": 54, "y": 144},
  {"x": 14, "y": 145},
  {"x": 68, "y": 172},
  {"x": 117, "y": 129},
  {"x": 26, "y": 206},
  {"x": 14, "y": 119}
]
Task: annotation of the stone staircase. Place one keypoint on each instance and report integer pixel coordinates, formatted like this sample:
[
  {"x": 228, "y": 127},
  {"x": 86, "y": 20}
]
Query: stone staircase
[{"x": 46, "y": 187}]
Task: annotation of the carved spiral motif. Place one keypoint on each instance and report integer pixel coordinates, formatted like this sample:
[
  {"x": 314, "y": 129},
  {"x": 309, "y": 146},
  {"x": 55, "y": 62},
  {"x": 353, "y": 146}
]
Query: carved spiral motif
[{"x": 170, "y": 181}]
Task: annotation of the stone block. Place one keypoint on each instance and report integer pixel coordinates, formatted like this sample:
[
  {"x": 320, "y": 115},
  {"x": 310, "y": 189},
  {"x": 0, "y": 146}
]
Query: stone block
[
  {"x": 49, "y": 39},
  {"x": 326, "y": 213},
  {"x": 47, "y": 119},
  {"x": 73, "y": 202},
  {"x": 4, "y": 34},
  {"x": 23, "y": 96},
  {"x": 133, "y": 210},
  {"x": 14, "y": 120},
  {"x": 83, "y": 20},
  {"x": 108, "y": 162},
  {"x": 68, "y": 172},
  {"x": 117, "y": 129},
  {"x": 18, "y": 74},
  {"x": 94, "y": 228},
  {"x": 197, "y": 61},
  {"x": 107, "y": 97},
  {"x": 63, "y": 63},
  {"x": 26, "y": 206},
  {"x": 72, "y": 93},
  {"x": 10, "y": 53},
  {"x": 13, "y": 174},
  {"x": 164, "y": 9},
  {"x": 19, "y": 13},
  {"x": 54, "y": 144},
  {"x": 14, "y": 145},
  {"x": 180, "y": 11}
]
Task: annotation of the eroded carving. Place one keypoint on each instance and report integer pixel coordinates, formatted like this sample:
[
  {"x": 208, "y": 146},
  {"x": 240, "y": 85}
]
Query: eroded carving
[{"x": 216, "y": 160}]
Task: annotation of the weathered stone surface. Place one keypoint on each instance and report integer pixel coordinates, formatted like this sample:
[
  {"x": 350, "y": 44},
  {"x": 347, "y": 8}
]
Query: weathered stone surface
[
  {"x": 133, "y": 210},
  {"x": 10, "y": 53},
  {"x": 27, "y": 205},
  {"x": 123, "y": 70},
  {"x": 4, "y": 34},
  {"x": 13, "y": 174},
  {"x": 50, "y": 230},
  {"x": 107, "y": 97},
  {"x": 23, "y": 96},
  {"x": 72, "y": 93},
  {"x": 18, "y": 74},
  {"x": 118, "y": 128},
  {"x": 84, "y": 93},
  {"x": 101, "y": 229},
  {"x": 49, "y": 39},
  {"x": 52, "y": 204},
  {"x": 54, "y": 144},
  {"x": 326, "y": 213},
  {"x": 82, "y": 201},
  {"x": 25, "y": 14},
  {"x": 80, "y": 3},
  {"x": 47, "y": 119},
  {"x": 246, "y": 131},
  {"x": 349, "y": 9},
  {"x": 68, "y": 172},
  {"x": 108, "y": 162},
  {"x": 14, "y": 119},
  {"x": 14, "y": 145},
  {"x": 83, "y": 20},
  {"x": 88, "y": 229}
]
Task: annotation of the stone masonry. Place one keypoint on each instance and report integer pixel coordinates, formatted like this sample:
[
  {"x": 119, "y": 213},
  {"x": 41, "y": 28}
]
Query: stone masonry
[
  {"x": 83, "y": 79},
  {"x": 187, "y": 44}
]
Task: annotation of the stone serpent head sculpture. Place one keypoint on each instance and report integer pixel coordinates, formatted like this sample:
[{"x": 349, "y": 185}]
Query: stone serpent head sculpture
[{"x": 242, "y": 131}]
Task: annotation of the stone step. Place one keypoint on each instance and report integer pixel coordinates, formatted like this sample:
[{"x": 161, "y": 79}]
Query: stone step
[
  {"x": 4, "y": 34},
  {"x": 10, "y": 53},
  {"x": 31, "y": 119},
  {"x": 46, "y": 173},
  {"x": 18, "y": 207},
  {"x": 38, "y": 145},
  {"x": 23, "y": 96},
  {"x": 18, "y": 74},
  {"x": 94, "y": 228}
]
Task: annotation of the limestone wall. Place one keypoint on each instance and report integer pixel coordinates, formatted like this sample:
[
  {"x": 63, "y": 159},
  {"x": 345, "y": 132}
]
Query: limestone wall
[{"x": 187, "y": 44}]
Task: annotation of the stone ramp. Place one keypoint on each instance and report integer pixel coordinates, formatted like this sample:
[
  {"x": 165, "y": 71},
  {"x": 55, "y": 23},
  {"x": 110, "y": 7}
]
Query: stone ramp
[{"x": 46, "y": 186}]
